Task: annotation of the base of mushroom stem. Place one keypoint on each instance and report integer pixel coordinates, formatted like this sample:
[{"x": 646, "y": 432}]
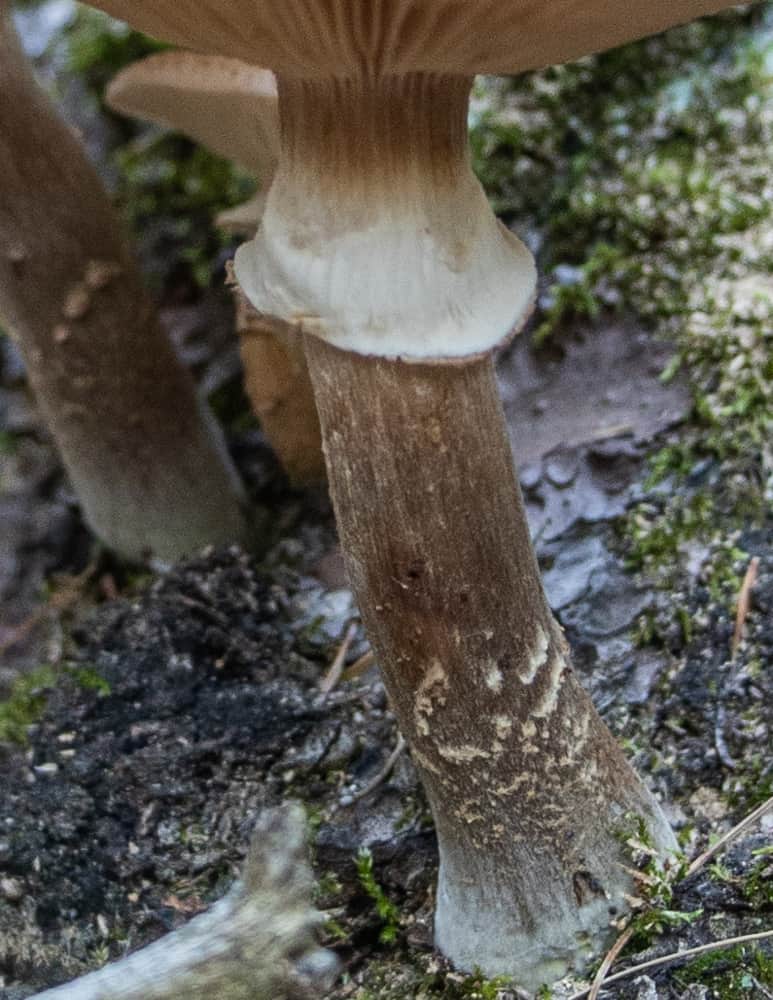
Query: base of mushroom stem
[
  {"x": 477, "y": 926},
  {"x": 528, "y": 788}
]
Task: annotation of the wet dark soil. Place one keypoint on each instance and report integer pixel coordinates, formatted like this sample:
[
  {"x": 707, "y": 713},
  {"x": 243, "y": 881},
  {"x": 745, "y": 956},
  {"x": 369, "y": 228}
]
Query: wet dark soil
[
  {"x": 179, "y": 714},
  {"x": 178, "y": 717}
]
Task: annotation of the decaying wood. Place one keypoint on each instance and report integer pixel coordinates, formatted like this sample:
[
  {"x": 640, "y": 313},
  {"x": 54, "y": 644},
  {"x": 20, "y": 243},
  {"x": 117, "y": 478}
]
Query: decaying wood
[
  {"x": 277, "y": 382},
  {"x": 255, "y": 944},
  {"x": 149, "y": 467},
  {"x": 529, "y": 790}
]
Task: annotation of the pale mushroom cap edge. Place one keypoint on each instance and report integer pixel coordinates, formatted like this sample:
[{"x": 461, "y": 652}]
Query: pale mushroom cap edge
[{"x": 209, "y": 98}]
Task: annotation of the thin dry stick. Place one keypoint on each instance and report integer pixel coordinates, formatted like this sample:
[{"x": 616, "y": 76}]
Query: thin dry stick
[
  {"x": 333, "y": 675},
  {"x": 59, "y": 603},
  {"x": 744, "y": 598},
  {"x": 359, "y": 666},
  {"x": 729, "y": 837},
  {"x": 678, "y": 956},
  {"x": 609, "y": 958},
  {"x": 384, "y": 773},
  {"x": 725, "y": 841},
  {"x": 742, "y": 612}
]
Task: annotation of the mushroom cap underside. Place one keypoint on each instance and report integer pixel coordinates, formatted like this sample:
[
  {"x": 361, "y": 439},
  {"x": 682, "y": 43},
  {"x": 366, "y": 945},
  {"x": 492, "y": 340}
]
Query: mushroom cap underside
[
  {"x": 350, "y": 37},
  {"x": 227, "y": 105}
]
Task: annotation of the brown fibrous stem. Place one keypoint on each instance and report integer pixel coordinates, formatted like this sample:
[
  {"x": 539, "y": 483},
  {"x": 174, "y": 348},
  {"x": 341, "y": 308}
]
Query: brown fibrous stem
[
  {"x": 378, "y": 242},
  {"x": 529, "y": 790},
  {"x": 276, "y": 380},
  {"x": 149, "y": 467}
]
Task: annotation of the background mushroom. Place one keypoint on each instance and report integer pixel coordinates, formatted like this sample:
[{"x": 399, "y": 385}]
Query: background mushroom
[
  {"x": 377, "y": 241},
  {"x": 209, "y": 98},
  {"x": 146, "y": 459}
]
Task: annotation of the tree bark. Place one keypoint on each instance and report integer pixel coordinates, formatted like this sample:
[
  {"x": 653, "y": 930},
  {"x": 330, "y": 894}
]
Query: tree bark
[
  {"x": 148, "y": 464},
  {"x": 529, "y": 790}
]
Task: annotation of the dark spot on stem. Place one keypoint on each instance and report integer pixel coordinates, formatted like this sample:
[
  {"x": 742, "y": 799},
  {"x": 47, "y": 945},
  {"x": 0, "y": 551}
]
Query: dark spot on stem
[{"x": 586, "y": 887}]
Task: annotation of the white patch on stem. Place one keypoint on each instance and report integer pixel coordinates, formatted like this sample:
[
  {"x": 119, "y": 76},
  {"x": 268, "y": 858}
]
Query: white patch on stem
[
  {"x": 462, "y": 754},
  {"x": 435, "y": 677},
  {"x": 537, "y": 659},
  {"x": 549, "y": 700},
  {"x": 503, "y": 726},
  {"x": 515, "y": 784},
  {"x": 494, "y": 678}
]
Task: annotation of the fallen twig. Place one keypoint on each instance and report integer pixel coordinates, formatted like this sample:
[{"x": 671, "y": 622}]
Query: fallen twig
[
  {"x": 742, "y": 606},
  {"x": 384, "y": 773},
  {"x": 358, "y": 668},
  {"x": 600, "y": 978},
  {"x": 729, "y": 837},
  {"x": 609, "y": 958},
  {"x": 336, "y": 669},
  {"x": 678, "y": 956}
]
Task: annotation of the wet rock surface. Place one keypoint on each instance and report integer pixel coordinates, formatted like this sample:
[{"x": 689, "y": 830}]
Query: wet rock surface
[{"x": 597, "y": 384}]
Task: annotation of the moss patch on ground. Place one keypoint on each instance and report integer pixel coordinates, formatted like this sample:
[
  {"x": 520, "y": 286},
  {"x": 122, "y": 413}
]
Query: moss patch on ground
[
  {"x": 740, "y": 973},
  {"x": 646, "y": 172},
  {"x": 25, "y": 704}
]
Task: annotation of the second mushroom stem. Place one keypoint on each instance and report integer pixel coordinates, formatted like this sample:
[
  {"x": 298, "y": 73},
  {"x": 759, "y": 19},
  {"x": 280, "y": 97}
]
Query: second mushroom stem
[{"x": 529, "y": 790}]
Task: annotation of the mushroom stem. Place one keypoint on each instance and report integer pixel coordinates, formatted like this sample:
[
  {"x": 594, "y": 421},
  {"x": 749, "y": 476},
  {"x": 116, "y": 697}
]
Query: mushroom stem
[
  {"x": 376, "y": 234},
  {"x": 148, "y": 464},
  {"x": 276, "y": 379},
  {"x": 529, "y": 790}
]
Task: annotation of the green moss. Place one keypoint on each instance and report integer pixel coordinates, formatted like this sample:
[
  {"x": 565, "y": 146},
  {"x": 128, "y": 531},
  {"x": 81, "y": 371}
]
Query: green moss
[
  {"x": 98, "y": 46},
  {"x": 25, "y": 704},
  {"x": 654, "y": 880},
  {"x": 232, "y": 408},
  {"x": 90, "y": 679},
  {"x": 172, "y": 189},
  {"x": 386, "y": 909},
  {"x": 477, "y": 987},
  {"x": 658, "y": 151},
  {"x": 758, "y": 885},
  {"x": 327, "y": 889},
  {"x": 752, "y": 784},
  {"x": 9, "y": 442},
  {"x": 576, "y": 298},
  {"x": 731, "y": 973},
  {"x": 655, "y": 537},
  {"x": 397, "y": 980},
  {"x": 674, "y": 460}
]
